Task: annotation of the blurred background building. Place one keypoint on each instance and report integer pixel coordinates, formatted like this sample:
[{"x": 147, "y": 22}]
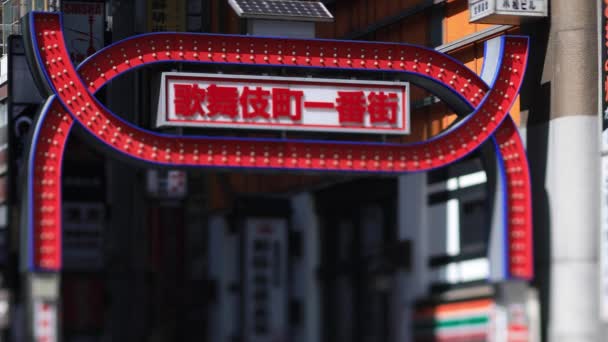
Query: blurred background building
[{"x": 169, "y": 255}]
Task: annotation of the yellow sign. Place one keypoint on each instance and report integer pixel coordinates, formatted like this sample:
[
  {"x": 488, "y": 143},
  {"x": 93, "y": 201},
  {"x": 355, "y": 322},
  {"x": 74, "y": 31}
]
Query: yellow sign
[{"x": 166, "y": 15}]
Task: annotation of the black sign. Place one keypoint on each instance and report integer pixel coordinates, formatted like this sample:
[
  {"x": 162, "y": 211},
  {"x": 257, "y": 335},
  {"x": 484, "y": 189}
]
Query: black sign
[{"x": 84, "y": 181}]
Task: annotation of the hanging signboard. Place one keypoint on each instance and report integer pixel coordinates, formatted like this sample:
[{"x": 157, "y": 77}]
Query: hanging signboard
[
  {"x": 167, "y": 184},
  {"x": 283, "y": 103},
  {"x": 508, "y": 12}
]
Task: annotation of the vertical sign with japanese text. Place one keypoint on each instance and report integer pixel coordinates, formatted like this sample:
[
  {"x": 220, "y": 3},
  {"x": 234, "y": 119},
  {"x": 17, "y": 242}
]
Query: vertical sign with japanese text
[
  {"x": 283, "y": 103},
  {"x": 45, "y": 320},
  {"x": 265, "y": 285}
]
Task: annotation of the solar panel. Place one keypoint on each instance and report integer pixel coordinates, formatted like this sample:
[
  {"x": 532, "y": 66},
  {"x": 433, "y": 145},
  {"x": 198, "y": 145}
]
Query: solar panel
[{"x": 281, "y": 9}]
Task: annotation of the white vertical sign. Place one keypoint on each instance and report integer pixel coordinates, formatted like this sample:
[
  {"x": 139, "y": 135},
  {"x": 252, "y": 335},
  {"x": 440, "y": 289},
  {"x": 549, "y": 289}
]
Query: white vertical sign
[
  {"x": 172, "y": 184},
  {"x": 265, "y": 286},
  {"x": 176, "y": 183},
  {"x": 45, "y": 321}
]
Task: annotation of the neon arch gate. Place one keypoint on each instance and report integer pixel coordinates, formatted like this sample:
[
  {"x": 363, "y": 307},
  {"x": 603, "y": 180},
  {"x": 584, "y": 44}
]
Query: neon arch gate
[{"x": 71, "y": 105}]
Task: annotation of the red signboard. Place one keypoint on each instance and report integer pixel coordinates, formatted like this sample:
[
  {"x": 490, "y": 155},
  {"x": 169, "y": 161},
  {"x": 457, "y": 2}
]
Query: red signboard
[{"x": 282, "y": 103}]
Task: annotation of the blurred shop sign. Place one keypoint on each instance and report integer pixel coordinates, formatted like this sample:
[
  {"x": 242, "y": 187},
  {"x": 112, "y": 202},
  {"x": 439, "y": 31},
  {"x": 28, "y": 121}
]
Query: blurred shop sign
[
  {"x": 506, "y": 12},
  {"x": 83, "y": 226},
  {"x": 84, "y": 28},
  {"x": 84, "y": 215},
  {"x": 518, "y": 326},
  {"x": 265, "y": 284},
  {"x": 165, "y": 15},
  {"x": 171, "y": 184},
  {"x": 45, "y": 320}
]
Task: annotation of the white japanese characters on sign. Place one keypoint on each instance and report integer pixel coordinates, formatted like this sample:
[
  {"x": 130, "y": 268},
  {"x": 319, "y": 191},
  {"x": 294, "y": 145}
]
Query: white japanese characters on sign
[
  {"x": 283, "y": 103},
  {"x": 505, "y": 11}
]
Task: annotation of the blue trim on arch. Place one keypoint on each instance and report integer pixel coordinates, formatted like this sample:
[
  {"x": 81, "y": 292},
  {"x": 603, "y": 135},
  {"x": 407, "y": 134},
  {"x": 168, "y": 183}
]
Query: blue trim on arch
[
  {"x": 29, "y": 193},
  {"x": 502, "y": 177},
  {"x": 443, "y": 85}
]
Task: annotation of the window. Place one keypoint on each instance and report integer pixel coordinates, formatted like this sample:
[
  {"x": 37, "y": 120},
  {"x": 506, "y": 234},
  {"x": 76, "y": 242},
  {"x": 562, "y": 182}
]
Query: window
[{"x": 458, "y": 219}]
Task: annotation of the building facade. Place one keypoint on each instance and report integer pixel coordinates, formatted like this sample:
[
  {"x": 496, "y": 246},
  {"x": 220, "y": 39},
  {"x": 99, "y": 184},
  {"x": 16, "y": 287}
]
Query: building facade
[{"x": 230, "y": 255}]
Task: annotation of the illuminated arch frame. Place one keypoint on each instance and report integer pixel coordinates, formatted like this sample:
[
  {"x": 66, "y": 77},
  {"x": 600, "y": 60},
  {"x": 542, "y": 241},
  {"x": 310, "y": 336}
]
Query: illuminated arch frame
[{"x": 71, "y": 104}]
